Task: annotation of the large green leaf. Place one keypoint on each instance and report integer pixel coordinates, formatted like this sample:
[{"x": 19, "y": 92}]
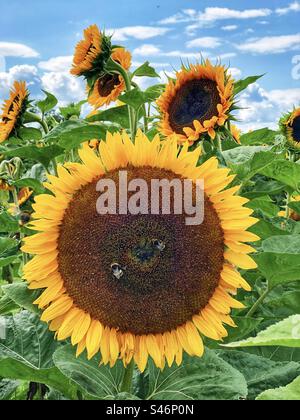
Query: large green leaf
[
  {"x": 117, "y": 115},
  {"x": 7, "y": 388},
  {"x": 136, "y": 98},
  {"x": 261, "y": 373},
  {"x": 8, "y": 223},
  {"x": 26, "y": 352},
  {"x": 30, "y": 133},
  {"x": 206, "y": 378},
  {"x": 283, "y": 171},
  {"x": 8, "y": 260},
  {"x": 22, "y": 296},
  {"x": 266, "y": 229},
  {"x": 70, "y": 134},
  {"x": 32, "y": 183},
  {"x": 33, "y": 153},
  {"x": 242, "y": 84},
  {"x": 7, "y": 244},
  {"x": 145, "y": 70},
  {"x": 264, "y": 205},
  {"x": 285, "y": 333},
  {"x": 99, "y": 382},
  {"x": 48, "y": 103},
  {"x": 289, "y": 244},
  {"x": 7, "y": 305},
  {"x": 259, "y": 137},
  {"x": 289, "y": 393}
]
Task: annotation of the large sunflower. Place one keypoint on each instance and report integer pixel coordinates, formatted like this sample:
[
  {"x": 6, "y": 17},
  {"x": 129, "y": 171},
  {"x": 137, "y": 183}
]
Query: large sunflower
[
  {"x": 290, "y": 125},
  {"x": 91, "y": 53},
  {"x": 133, "y": 286},
  {"x": 197, "y": 102},
  {"x": 109, "y": 87},
  {"x": 13, "y": 110}
]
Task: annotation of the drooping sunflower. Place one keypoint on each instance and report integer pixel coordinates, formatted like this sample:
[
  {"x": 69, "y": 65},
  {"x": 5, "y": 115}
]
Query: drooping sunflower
[
  {"x": 292, "y": 214},
  {"x": 23, "y": 196},
  {"x": 290, "y": 126},
  {"x": 4, "y": 186},
  {"x": 13, "y": 110},
  {"x": 109, "y": 87},
  {"x": 91, "y": 53},
  {"x": 134, "y": 286},
  {"x": 197, "y": 102}
]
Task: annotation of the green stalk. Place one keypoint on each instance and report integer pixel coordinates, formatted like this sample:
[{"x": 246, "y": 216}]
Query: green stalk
[
  {"x": 31, "y": 117},
  {"x": 258, "y": 302},
  {"x": 127, "y": 378}
]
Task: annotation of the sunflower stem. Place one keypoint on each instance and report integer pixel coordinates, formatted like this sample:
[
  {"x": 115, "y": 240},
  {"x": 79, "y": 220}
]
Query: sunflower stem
[
  {"x": 259, "y": 301},
  {"x": 116, "y": 67},
  {"x": 127, "y": 378},
  {"x": 31, "y": 117}
]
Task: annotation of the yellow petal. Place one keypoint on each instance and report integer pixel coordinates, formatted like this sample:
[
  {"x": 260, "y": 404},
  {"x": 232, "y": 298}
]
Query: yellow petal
[{"x": 240, "y": 260}]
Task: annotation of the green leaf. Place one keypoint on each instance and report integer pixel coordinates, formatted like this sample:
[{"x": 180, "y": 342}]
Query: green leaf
[
  {"x": 264, "y": 205},
  {"x": 8, "y": 260},
  {"x": 285, "y": 333},
  {"x": 70, "y": 134},
  {"x": 206, "y": 378},
  {"x": 48, "y": 103},
  {"x": 26, "y": 353},
  {"x": 118, "y": 115},
  {"x": 7, "y": 388},
  {"x": 245, "y": 326},
  {"x": 99, "y": 382},
  {"x": 8, "y": 223},
  {"x": 286, "y": 304},
  {"x": 247, "y": 161},
  {"x": 71, "y": 110},
  {"x": 283, "y": 171},
  {"x": 33, "y": 153},
  {"x": 289, "y": 393},
  {"x": 259, "y": 137},
  {"x": 136, "y": 98},
  {"x": 241, "y": 85},
  {"x": 7, "y": 244},
  {"x": 32, "y": 183},
  {"x": 289, "y": 244},
  {"x": 259, "y": 372},
  {"x": 7, "y": 305},
  {"x": 145, "y": 70},
  {"x": 266, "y": 229},
  {"x": 30, "y": 133},
  {"x": 262, "y": 188},
  {"x": 22, "y": 296}
]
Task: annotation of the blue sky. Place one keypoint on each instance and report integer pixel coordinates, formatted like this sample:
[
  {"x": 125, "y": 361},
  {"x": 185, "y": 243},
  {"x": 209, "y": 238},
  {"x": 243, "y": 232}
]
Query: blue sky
[{"x": 37, "y": 40}]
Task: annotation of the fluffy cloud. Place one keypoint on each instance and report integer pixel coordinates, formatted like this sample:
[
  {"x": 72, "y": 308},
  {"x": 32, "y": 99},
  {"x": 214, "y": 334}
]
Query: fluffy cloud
[
  {"x": 64, "y": 86},
  {"x": 229, "y": 27},
  {"x": 263, "y": 108},
  {"x": 61, "y": 63},
  {"x": 137, "y": 32},
  {"x": 12, "y": 49},
  {"x": 293, "y": 7},
  {"x": 235, "y": 72},
  {"x": 271, "y": 44},
  {"x": 147, "y": 50},
  {"x": 20, "y": 72},
  {"x": 204, "y": 42}
]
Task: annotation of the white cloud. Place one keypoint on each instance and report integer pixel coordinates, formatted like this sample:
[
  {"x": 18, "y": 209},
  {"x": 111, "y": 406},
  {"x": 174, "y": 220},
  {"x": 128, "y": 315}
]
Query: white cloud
[
  {"x": 12, "y": 49},
  {"x": 293, "y": 7},
  {"x": 20, "y": 72},
  {"x": 61, "y": 63},
  {"x": 152, "y": 64},
  {"x": 204, "y": 42},
  {"x": 229, "y": 27},
  {"x": 271, "y": 44},
  {"x": 64, "y": 86},
  {"x": 235, "y": 72},
  {"x": 137, "y": 32},
  {"x": 147, "y": 50},
  {"x": 262, "y": 108}
]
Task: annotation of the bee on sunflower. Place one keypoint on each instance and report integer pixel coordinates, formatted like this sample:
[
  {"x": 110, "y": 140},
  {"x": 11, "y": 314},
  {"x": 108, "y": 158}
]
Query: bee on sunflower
[
  {"x": 138, "y": 286},
  {"x": 13, "y": 110},
  {"x": 197, "y": 102},
  {"x": 290, "y": 127}
]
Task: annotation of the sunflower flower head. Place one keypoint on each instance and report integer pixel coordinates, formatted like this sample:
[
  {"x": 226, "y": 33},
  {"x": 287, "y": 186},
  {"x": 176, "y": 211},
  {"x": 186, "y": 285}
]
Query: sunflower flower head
[
  {"x": 13, "y": 110},
  {"x": 138, "y": 286},
  {"x": 236, "y": 133},
  {"x": 109, "y": 87},
  {"x": 91, "y": 54},
  {"x": 290, "y": 127},
  {"x": 197, "y": 102}
]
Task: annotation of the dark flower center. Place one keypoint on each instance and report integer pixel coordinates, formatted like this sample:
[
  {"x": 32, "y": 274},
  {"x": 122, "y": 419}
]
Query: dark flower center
[
  {"x": 139, "y": 273},
  {"x": 107, "y": 83},
  {"x": 195, "y": 100},
  {"x": 296, "y": 129}
]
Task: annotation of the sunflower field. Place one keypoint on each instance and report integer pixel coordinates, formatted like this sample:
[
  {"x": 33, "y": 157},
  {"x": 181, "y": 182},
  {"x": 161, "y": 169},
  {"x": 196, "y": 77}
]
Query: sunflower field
[{"x": 144, "y": 306}]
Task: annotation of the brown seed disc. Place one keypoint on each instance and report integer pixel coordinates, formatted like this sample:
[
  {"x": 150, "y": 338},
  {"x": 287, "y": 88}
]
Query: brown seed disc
[
  {"x": 195, "y": 100},
  {"x": 160, "y": 289},
  {"x": 296, "y": 129},
  {"x": 107, "y": 83}
]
